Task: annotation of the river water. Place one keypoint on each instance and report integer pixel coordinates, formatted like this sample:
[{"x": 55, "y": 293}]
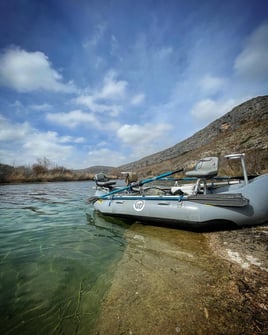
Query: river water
[
  {"x": 56, "y": 259},
  {"x": 65, "y": 270}
]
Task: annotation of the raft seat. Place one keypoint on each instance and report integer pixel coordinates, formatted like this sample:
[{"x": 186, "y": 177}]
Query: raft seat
[
  {"x": 205, "y": 168},
  {"x": 103, "y": 181},
  {"x": 107, "y": 184}
]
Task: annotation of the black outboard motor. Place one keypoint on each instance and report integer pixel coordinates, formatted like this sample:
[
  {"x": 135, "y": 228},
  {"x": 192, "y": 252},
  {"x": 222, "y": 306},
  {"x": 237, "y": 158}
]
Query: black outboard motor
[{"x": 102, "y": 180}]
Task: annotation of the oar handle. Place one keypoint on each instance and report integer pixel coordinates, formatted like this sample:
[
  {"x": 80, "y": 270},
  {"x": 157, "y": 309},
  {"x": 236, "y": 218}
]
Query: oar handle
[{"x": 142, "y": 182}]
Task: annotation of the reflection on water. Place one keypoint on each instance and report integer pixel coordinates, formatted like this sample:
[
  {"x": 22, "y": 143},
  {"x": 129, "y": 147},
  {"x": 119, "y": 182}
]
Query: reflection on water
[{"x": 56, "y": 259}]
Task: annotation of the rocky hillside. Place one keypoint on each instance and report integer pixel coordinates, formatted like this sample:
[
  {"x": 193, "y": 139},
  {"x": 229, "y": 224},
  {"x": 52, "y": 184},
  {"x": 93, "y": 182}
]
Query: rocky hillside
[{"x": 243, "y": 129}]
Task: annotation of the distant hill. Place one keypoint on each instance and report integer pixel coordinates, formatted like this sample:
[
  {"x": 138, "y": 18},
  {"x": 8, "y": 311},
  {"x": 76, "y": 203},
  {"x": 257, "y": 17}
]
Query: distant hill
[
  {"x": 96, "y": 169},
  {"x": 243, "y": 129}
]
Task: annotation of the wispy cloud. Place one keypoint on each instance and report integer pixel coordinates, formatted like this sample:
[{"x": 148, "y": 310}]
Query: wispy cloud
[
  {"x": 137, "y": 99},
  {"x": 96, "y": 36},
  {"x": 73, "y": 119},
  {"x": 108, "y": 98},
  {"x": 42, "y": 107},
  {"x": 252, "y": 62}
]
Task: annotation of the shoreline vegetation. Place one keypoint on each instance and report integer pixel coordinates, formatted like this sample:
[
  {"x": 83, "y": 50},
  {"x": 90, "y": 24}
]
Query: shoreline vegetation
[
  {"x": 16, "y": 177},
  {"x": 44, "y": 171},
  {"x": 39, "y": 172}
]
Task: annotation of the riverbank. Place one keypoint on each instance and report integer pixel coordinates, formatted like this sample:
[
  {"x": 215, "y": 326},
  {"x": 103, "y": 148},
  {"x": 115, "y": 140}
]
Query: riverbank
[
  {"x": 176, "y": 282},
  {"x": 245, "y": 253}
]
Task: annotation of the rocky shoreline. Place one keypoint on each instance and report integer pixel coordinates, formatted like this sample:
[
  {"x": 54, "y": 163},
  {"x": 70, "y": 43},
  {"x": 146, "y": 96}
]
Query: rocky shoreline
[
  {"x": 176, "y": 282},
  {"x": 245, "y": 252}
]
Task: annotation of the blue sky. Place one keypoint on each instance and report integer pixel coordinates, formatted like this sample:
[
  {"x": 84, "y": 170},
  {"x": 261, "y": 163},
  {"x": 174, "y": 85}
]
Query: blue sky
[{"x": 107, "y": 82}]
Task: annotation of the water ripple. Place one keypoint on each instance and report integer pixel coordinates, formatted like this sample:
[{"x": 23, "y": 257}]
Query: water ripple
[{"x": 56, "y": 259}]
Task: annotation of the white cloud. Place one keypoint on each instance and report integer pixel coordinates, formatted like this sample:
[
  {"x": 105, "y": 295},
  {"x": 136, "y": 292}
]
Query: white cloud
[
  {"x": 136, "y": 135},
  {"x": 46, "y": 144},
  {"x": 70, "y": 139},
  {"x": 137, "y": 99},
  {"x": 88, "y": 101},
  {"x": 73, "y": 118},
  {"x": 112, "y": 89},
  {"x": 110, "y": 126},
  {"x": 108, "y": 99},
  {"x": 144, "y": 140},
  {"x": 13, "y": 132},
  {"x": 97, "y": 107},
  {"x": 80, "y": 118},
  {"x": 104, "y": 156},
  {"x": 252, "y": 62},
  {"x": 209, "y": 110},
  {"x": 78, "y": 140},
  {"x": 210, "y": 84},
  {"x": 29, "y": 71},
  {"x": 205, "y": 109},
  {"x": 42, "y": 107},
  {"x": 22, "y": 144}
]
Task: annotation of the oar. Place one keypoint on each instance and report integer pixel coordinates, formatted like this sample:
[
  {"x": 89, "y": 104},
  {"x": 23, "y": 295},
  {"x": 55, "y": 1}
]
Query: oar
[{"x": 140, "y": 183}]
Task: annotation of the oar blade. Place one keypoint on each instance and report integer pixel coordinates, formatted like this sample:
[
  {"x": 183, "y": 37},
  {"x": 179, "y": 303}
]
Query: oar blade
[{"x": 92, "y": 200}]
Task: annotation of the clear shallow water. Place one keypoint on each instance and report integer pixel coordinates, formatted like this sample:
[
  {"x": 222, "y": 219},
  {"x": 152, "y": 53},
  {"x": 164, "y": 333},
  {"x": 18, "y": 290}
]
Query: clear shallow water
[{"x": 56, "y": 258}]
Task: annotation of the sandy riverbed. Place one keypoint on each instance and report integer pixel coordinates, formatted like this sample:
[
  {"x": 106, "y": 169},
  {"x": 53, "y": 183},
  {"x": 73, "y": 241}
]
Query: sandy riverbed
[{"x": 177, "y": 282}]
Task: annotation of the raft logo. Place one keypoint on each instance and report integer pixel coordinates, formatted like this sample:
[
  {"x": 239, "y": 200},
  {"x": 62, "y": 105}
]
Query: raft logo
[{"x": 139, "y": 205}]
